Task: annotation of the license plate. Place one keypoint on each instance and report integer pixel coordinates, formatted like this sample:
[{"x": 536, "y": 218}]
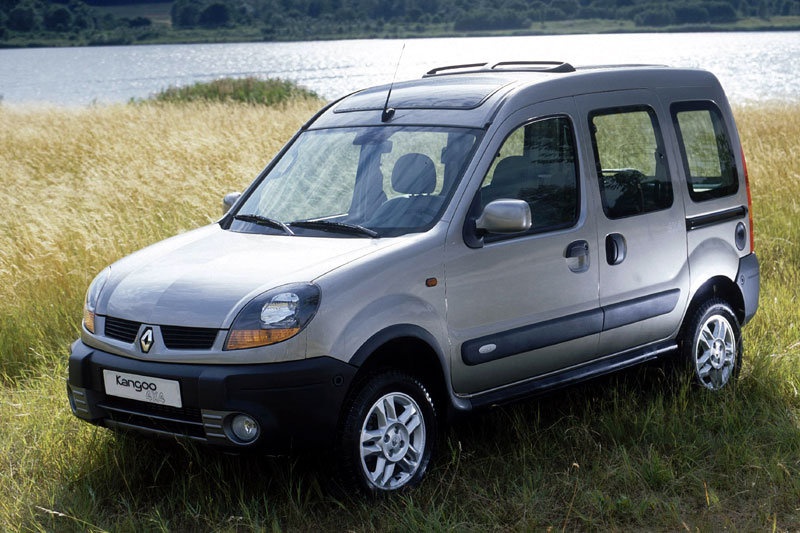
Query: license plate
[{"x": 143, "y": 388}]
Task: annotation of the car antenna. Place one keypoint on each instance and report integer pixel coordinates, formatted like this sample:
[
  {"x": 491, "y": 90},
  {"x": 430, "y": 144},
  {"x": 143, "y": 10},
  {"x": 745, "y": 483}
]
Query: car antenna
[{"x": 388, "y": 112}]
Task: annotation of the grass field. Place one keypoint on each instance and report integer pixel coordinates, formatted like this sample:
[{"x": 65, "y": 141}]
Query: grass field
[{"x": 83, "y": 187}]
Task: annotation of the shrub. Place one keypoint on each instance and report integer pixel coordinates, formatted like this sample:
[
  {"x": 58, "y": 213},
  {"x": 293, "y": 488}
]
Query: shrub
[
  {"x": 503, "y": 19},
  {"x": 139, "y": 22},
  {"x": 216, "y": 15},
  {"x": 185, "y": 13},
  {"x": 570, "y": 8},
  {"x": 57, "y": 18},
  {"x": 690, "y": 14},
  {"x": 249, "y": 90},
  {"x": 22, "y": 18},
  {"x": 655, "y": 17},
  {"x": 595, "y": 12},
  {"x": 721, "y": 12}
]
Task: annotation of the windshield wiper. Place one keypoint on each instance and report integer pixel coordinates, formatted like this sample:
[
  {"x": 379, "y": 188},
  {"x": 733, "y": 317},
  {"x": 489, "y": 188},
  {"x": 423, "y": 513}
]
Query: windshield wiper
[
  {"x": 265, "y": 221},
  {"x": 338, "y": 227}
]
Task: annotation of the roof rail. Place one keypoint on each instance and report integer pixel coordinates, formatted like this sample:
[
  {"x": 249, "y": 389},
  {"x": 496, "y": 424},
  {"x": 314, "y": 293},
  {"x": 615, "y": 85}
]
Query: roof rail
[
  {"x": 467, "y": 67},
  {"x": 526, "y": 66}
]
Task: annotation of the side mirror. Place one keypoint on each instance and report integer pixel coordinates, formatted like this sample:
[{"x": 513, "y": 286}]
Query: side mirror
[
  {"x": 229, "y": 200},
  {"x": 505, "y": 217}
]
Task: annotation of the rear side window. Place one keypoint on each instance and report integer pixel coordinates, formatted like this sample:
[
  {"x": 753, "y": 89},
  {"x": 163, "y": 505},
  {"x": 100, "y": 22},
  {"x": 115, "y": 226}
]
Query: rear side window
[
  {"x": 537, "y": 164},
  {"x": 706, "y": 150},
  {"x": 629, "y": 155}
]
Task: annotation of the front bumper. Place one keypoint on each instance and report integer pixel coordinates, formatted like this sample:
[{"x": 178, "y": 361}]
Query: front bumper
[{"x": 296, "y": 404}]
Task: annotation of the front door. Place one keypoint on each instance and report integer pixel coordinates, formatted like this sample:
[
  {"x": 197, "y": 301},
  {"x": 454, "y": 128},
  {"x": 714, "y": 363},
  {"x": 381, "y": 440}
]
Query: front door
[{"x": 526, "y": 305}]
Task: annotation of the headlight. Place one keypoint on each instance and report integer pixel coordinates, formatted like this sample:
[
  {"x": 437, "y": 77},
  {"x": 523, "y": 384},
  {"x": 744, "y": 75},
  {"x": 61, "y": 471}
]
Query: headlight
[
  {"x": 92, "y": 295},
  {"x": 274, "y": 316}
]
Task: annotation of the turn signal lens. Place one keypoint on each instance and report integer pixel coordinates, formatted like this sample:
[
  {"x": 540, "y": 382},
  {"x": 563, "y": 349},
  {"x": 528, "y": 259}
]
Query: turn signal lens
[
  {"x": 88, "y": 320},
  {"x": 250, "y": 338},
  {"x": 92, "y": 296}
]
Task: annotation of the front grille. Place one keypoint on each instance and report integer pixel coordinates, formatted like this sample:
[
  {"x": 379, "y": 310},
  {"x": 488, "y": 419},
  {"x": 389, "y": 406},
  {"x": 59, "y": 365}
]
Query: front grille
[
  {"x": 121, "y": 329},
  {"x": 155, "y": 418},
  {"x": 181, "y": 338},
  {"x": 175, "y": 337},
  {"x": 191, "y": 414}
]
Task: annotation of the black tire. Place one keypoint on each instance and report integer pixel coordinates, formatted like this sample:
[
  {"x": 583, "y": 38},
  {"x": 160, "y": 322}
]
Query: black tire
[
  {"x": 712, "y": 345},
  {"x": 387, "y": 434}
]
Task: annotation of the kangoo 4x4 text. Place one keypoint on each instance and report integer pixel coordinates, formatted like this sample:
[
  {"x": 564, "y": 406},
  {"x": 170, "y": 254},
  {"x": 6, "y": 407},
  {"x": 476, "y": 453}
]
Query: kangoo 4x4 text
[{"x": 481, "y": 234}]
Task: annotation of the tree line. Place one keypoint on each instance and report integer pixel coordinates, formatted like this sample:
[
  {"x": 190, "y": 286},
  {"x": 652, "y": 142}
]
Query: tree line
[
  {"x": 66, "y": 19},
  {"x": 287, "y": 19},
  {"x": 466, "y": 15}
]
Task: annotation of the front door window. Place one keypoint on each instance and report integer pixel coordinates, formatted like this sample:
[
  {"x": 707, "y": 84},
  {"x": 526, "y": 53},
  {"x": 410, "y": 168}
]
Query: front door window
[{"x": 537, "y": 164}]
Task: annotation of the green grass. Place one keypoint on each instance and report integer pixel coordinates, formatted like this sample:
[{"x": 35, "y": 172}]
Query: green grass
[
  {"x": 638, "y": 451},
  {"x": 248, "y": 90}
]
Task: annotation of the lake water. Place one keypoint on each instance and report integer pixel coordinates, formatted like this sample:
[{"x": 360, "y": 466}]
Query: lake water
[{"x": 751, "y": 66}]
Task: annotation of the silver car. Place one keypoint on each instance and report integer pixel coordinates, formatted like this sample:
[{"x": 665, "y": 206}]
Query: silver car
[{"x": 481, "y": 234}]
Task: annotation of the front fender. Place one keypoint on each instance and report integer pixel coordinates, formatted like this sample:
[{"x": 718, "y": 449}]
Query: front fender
[
  {"x": 388, "y": 318},
  {"x": 392, "y": 333},
  {"x": 385, "y": 313}
]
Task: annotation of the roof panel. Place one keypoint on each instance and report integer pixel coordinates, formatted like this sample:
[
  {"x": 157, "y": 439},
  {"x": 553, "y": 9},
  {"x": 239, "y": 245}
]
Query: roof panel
[{"x": 467, "y": 92}]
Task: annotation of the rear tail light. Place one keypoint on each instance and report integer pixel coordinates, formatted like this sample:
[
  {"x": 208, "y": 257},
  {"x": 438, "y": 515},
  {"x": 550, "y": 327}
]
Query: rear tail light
[{"x": 749, "y": 203}]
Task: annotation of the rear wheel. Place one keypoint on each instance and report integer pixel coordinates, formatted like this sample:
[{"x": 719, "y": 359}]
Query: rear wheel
[
  {"x": 387, "y": 434},
  {"x": 712, "y": 345}
]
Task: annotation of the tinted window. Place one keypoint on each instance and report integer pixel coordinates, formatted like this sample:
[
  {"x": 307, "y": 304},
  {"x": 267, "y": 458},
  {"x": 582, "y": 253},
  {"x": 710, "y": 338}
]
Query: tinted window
[
  {"x": 631, "y": 168},
  {"x": 706, "y": 150},
  {"x": 537, "y": 164}
]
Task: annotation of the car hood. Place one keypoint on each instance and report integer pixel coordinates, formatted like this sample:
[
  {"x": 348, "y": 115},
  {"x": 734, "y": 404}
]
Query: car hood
[{"x": 202, "y": 278}]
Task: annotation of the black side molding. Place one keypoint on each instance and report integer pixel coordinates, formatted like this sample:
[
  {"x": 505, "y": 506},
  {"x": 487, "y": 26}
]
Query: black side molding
[
  {"x": 570, "y": 376},
  {"x": 567, "y": 328},
  {"x": 718, "y": 217},
  {"x": 527, "y": 338},
  {"x": 650, "y": 306}
]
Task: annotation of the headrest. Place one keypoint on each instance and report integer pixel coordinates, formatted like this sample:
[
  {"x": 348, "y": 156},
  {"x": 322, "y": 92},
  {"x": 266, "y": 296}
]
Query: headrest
[
  {"x": 511, "y": 170},
  {"x": 414, "y": 174}
]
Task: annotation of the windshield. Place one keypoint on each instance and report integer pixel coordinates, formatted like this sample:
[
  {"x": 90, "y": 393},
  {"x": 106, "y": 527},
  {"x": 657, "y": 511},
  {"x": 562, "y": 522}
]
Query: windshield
[{"x": 359, "y": 182}]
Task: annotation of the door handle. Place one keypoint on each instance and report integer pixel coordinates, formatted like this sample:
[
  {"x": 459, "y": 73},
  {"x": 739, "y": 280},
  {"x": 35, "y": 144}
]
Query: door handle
[
  {"x": 616, "y": 249},
  {"x": 577, "y": 255}
]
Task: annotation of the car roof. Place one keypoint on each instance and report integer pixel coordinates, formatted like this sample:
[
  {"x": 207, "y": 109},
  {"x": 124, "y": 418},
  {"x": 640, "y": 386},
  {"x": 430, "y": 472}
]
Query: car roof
[{"x": 471, "y": 95}]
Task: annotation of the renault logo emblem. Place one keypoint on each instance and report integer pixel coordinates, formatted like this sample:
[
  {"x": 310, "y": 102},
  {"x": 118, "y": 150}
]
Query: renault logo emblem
[{"x": 146, "y": 340}]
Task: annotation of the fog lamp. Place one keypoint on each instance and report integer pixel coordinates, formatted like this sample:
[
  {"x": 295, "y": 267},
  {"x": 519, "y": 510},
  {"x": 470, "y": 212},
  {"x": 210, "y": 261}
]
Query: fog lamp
[{"x": 244, "y": 428}]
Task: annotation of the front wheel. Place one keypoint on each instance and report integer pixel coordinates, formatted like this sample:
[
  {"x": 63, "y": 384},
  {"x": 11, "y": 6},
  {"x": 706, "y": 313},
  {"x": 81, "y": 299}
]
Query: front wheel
[
  {"x": 712, "y": 345},
  {"x": 387, "y": 434}
]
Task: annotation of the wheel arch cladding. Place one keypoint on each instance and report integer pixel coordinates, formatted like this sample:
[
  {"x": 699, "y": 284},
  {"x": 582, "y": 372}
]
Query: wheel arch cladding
[
  {"x": 719, "y": 287},
  {"x": 407, "y": 348}
]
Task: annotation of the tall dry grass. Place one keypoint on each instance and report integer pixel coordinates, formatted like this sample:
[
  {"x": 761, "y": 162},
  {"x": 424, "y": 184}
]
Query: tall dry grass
[
  {"x": 83, "y": 187},
  {"x": 770, "y": 140}
]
